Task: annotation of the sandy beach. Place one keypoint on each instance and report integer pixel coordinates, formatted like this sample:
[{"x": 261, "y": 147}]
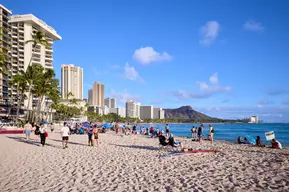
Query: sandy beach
[{"x": 136, "y": 163}]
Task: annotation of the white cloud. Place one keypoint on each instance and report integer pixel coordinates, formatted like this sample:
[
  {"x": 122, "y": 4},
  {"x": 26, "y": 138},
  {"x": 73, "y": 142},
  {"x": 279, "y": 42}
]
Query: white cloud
[
  {"x": 214, "y": 78},
  {"x": 209, "y": 33},
  {"x": 147, "y": 55},
  {"x": 207, "y": 90},
  {"x": 124, "y": 96},
  {"x": 252, "y": 25},
  {"x": 264, "y": 102},
  {"x": 131, "y": 73}
]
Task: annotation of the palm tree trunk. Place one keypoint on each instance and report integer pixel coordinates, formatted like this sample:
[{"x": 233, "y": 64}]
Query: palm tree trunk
[
  {"x": 30, "y": 61},
  {"x": 18, "y": 104},
  {"x": 38, "y": 109},
  {"x": 29, "y": 98}
]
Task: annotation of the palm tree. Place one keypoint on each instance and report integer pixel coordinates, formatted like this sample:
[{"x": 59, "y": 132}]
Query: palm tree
[
  {"x": 21, "y": 84},
  {"x": 68, "y": 95},
  {"x": 32, "y": 75},
  {"x": 38, "y": 38},
  {"x": 43, "y": 87}
]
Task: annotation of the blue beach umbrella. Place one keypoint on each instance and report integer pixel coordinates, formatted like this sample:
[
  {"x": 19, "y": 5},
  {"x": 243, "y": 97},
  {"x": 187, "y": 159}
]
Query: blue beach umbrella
[
  {"x": 85, "y": 124},
  {"x": 106, "y": 125}
]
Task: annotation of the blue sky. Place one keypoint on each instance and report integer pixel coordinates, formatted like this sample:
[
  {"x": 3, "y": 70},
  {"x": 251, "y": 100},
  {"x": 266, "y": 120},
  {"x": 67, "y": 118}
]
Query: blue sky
[{"x": 227, "y": 59}]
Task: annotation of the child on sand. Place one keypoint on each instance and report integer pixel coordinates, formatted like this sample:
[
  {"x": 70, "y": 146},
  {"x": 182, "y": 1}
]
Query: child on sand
[{"x": 95, "y": 134}]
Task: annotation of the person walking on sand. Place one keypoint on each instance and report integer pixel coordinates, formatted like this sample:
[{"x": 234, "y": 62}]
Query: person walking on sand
[
  {"x": 65, "y": 132},
  {"x": 27, "y": 130},
  {"x": 95, "y": 134},
  {"x": 43, "y": 133},
  {"x": 90, "y": 133},
  {"x": 211, "y": 133}
]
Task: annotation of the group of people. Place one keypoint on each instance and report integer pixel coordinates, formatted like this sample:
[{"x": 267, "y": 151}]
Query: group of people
[
  {"x": 274, "y": 143},
  {"x": 92, "y": 132},
  {"x": 198, "y": 133},
  {"x": 40, "y": 130}
]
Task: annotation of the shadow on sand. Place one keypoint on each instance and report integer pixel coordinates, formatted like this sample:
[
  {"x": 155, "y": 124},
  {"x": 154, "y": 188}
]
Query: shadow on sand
[
  {"x": 69, "y": 142},
  {"x": 31, "y": 142},
  {"x": 137, "y": 147}
]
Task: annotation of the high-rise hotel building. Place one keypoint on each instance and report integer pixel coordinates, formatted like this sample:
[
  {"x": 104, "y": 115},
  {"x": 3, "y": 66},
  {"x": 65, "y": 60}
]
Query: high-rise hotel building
[
  {"x": 71, "y": 81},
  {"x": 132, "y": 109},
  {"x": 5, "y": 46},
  {"x": 96, "y": 95},
  {"x": 110, "y": 102},
  {"x": 22, "y": 28}
]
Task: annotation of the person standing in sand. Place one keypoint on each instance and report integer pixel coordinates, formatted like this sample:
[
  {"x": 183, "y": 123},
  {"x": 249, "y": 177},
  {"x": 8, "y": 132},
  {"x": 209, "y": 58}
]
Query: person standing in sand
[
  {"x": 193, "y": 130},
  {"x": 65, "y": 131},
  {"x": 43, "y": 132},
  {"x": 200, "y": 133},
  {"x": 95, "y": 134},
  {"x": 27, "y": 130},
  {"x": 211, "y": 133},
  {"x": 116, "y": 128},
  {"x": 167, "y": 130},
  {"x": 90, "y": 134}
]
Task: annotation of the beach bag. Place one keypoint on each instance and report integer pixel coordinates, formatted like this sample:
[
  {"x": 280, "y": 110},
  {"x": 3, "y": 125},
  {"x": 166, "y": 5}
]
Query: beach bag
[{"x": 46, "y": 134}]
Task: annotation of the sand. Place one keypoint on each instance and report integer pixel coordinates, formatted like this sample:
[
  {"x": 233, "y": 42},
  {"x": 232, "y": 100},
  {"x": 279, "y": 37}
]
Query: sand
[{"x": 136, "y": 163}]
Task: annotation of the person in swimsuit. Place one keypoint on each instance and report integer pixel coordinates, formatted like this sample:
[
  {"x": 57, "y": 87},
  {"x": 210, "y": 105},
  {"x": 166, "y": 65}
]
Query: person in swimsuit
[
  {"x": 95, "y": 134},
  {"x": 27, "y": 130},
  {"x": 167, "y": 130},
  {"x": 259, "y": 142},
  {"x": 193, "y": 130},
  {"x": 173, "y": 143},
  {"x": 211, "y": 133},
  {"x": 200, "y": 134}
]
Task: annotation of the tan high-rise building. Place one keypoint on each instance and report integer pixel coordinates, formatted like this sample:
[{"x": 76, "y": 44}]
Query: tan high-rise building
[
  {"x": 110, "y": 102},
  {"x": 5, "y": 47},
  {"x": 71, "y": 81},
  {"x": 146, "y": 112},
  {"x": 97, "y": 95},
  {"x": 90, "y": 96}
]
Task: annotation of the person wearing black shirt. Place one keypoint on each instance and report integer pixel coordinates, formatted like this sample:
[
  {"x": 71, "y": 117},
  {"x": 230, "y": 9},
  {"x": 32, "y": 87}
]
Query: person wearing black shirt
[{"x": 163, "y": 140}]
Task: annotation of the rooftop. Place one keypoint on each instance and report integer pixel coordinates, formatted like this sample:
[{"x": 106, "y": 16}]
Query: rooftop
[
  {"x": 2, "y": 7},
  {"x": 41, "y": 25}
]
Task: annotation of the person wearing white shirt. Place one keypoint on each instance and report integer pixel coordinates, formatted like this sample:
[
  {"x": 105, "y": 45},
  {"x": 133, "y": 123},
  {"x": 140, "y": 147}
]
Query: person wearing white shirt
[
  {"x": 65, "y": 135},
  {"x": 42, "y": 134}
]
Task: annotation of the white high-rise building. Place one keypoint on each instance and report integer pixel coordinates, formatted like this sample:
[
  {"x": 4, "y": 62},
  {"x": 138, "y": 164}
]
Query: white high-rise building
[
  {"x": 22, "y": 26},
  {"x": 146, "y": 112},
  {"x": 132, "y": 109},
  {"x": 22, "y": 53},
  {"x": 71, "y": 81},
  {"x": 110, "y": 102}
]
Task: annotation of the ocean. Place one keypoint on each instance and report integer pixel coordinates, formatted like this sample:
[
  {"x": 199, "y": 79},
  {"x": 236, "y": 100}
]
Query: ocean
[{"x": 230, "y": 132}]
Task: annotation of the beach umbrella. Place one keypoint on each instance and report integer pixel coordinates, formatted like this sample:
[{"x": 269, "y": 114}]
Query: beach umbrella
[
  {"x": 85, "y": 124},
  {"x": 106, "y": 125}
]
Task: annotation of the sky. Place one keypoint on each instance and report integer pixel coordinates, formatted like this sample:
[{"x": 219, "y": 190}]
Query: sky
[{"x": 227, "y": 59}]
